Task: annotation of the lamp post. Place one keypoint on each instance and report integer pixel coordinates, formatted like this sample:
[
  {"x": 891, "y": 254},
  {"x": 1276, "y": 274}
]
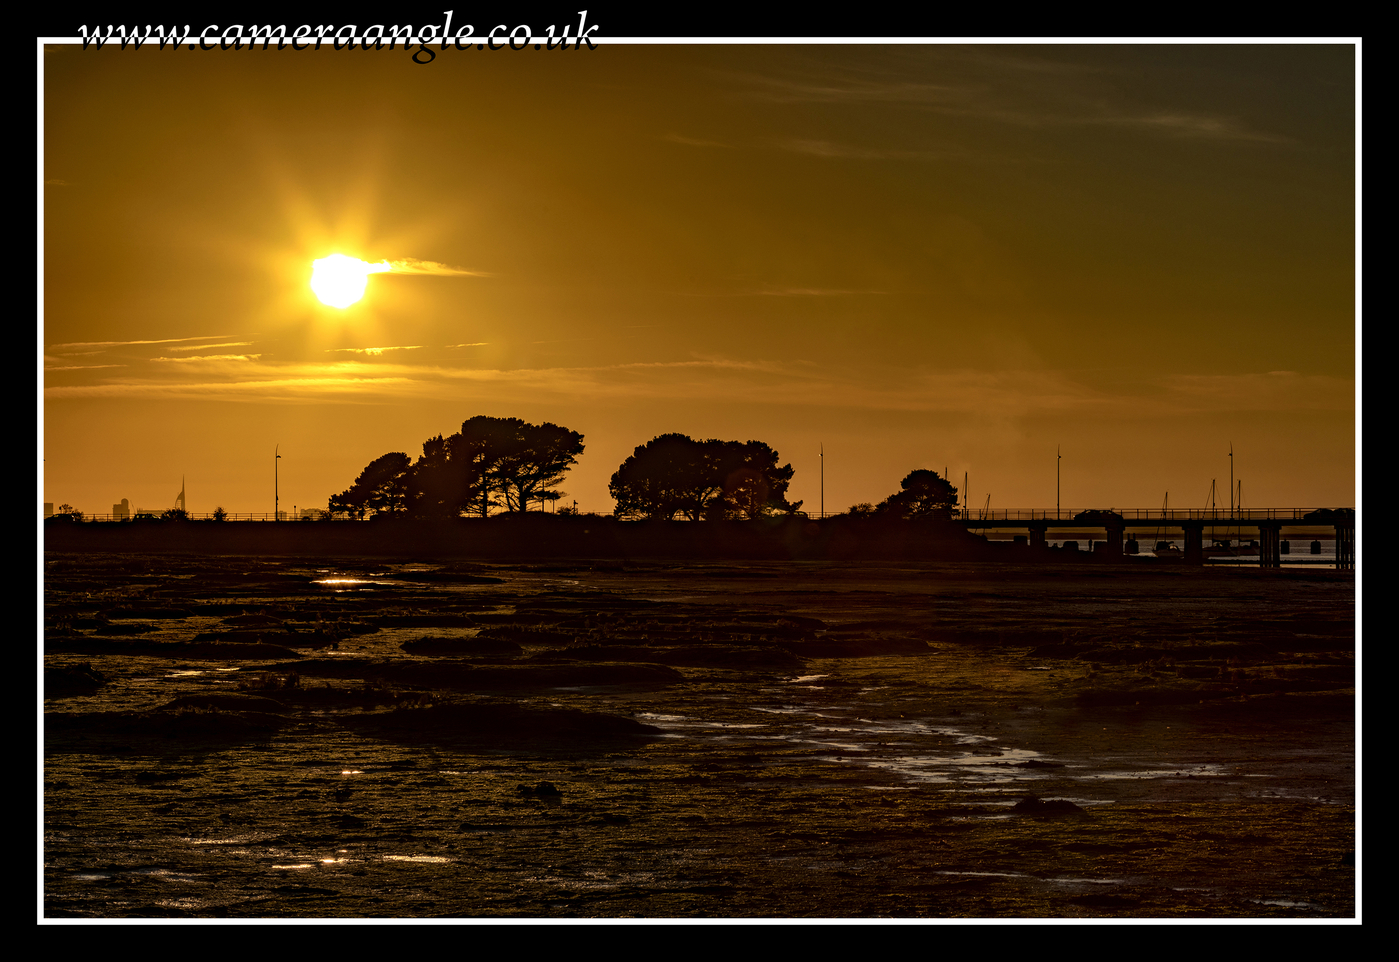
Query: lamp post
[
  {"x": 1231, "y": 479},
  {"x": 1058, "y": 456},
  {"x": 276, "y": 493},
  {"x": 823, "y": 480}
]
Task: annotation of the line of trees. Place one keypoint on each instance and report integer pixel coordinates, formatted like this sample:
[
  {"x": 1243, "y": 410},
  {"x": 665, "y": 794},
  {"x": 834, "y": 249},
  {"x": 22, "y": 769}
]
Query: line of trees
[{"x": 507, "y": 464}]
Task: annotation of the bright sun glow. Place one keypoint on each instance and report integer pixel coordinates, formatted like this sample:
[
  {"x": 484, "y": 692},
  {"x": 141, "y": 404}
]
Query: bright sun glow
[{"x": 339, "y": 280}]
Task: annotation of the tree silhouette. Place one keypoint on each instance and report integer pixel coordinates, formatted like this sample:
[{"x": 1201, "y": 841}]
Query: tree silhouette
[
  {"x": 380, "y": 487},
  {"x": 517, "y": 462},
  {"x": 443, "y": 480},
  {"x": 924, "y": 494},
  {"x": 751, "y": 483},
  {"x": 666, "y": 476},
  {"x": 673, "y": 474},
  {"x": 501, "y": 462}
]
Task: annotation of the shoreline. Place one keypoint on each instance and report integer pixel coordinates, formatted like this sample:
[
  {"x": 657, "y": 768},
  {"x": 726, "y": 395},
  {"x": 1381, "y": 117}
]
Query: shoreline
[{"x": 553, "y": 537}]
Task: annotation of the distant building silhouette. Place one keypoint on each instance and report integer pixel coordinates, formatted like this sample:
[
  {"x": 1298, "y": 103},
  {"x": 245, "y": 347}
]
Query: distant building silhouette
[{"x": 122, "y": 512}]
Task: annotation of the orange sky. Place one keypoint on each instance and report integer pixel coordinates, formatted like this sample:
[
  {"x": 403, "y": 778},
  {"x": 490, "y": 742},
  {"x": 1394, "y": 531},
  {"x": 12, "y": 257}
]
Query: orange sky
[{"x": 920, "y": 256}]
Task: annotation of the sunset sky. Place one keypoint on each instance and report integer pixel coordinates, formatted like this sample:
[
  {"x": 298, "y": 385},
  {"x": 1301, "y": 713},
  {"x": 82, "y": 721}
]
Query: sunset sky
[{"x": 919, "y": 256}]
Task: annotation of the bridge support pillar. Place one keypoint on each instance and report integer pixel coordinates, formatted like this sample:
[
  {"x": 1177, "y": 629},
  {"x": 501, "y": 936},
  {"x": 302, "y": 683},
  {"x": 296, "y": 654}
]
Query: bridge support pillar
[
  {"x": 1037, "y": 535},
  {"x": 1345, "y": 546},
  {"x": 1114, "y": 544},
  {"x": 1194, "y": 541},
  {"x": 1270, "y": 544}
]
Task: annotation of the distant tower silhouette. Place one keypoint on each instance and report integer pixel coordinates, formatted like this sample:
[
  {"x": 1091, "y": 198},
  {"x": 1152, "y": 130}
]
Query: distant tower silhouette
[{"x": 180, "y": 501}]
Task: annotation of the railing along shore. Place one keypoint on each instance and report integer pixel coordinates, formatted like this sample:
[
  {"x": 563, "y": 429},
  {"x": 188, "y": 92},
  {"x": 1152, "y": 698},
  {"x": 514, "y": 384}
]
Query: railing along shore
[
  {"x": 1089, "y": 515},
  {"x": 1142, "y": 514}
]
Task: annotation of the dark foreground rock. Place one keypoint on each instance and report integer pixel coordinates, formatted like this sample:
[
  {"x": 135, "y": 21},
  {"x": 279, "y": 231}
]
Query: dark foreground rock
[
  {"x": 505, "y": 725},
  {"x": 156, "y": 731},
  {"x": 465, "y": 677},
  {"x": 65, "y": 681},
  {"x": 1046, "y": 807}
]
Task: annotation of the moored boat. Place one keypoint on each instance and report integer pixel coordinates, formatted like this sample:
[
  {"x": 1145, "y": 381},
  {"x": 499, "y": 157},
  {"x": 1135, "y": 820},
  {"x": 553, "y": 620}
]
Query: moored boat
[
  {"x": 1222, "y": 548},
  {"x": 1168, "y": 549}
]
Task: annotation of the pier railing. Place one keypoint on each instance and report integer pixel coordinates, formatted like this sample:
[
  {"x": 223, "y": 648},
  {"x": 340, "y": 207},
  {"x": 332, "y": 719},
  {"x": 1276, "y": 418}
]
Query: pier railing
[
  {"x": 1137, "y": 515},
  {"x": 229, "y": 516},
  {"x": 1130, "y": 515}
]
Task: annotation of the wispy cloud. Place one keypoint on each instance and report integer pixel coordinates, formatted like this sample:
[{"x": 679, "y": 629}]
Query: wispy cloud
[
  {"x": 695, "y": 141},
  {"x": 980, "y": 394},
  {"x": 1271, "y": 391},
  {"x": 374, "y": 351},
  {"x": 1192, "y": 126},
  {"x": 782, "y": 292},
  {"x": 78, "y": 367},
  {"x": 205, "y": 347},
  {"x": 828, "y": 148},
  {"x": 852, "y": 89},
  {"x": 346, "y": 390},
  {"x": 67, "y": 348},
  {"x": 1013, "y": 87},
  {"x": 410, "y": 265},
  {"x": 206, "y": 358}
]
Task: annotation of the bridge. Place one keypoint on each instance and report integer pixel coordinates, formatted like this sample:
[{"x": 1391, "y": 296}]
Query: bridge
[{"x": 1191, "y": 522}]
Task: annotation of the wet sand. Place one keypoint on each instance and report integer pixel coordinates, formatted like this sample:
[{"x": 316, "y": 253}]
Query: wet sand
[{"x": 303, "y": 738}]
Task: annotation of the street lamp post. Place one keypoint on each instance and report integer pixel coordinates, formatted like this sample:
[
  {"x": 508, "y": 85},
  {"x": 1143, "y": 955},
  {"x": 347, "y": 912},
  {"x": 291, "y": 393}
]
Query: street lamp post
[
  {"x": 1231, "y": 479},
  {"x": 276, "y": 492}
]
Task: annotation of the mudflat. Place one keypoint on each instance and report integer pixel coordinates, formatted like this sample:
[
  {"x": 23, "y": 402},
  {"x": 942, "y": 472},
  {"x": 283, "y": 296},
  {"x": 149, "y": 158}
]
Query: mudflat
[{"x": 235, "y": 737}]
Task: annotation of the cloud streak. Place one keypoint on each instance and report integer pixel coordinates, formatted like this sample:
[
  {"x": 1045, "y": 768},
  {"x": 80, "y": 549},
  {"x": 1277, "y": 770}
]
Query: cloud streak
[
  {"x": 783, "y": 292},
  {"x": 1273, "y": 391},
  {"x": 347, "y": 390},
  {"x": 828, "y": 148},
  {"x": 206, "y": 358},
  {"x": 79, "y": 367},
  {"x": 374, "y": 351},
  {"x": 205, "y": 347},
  {"x": 72, "y": 346},
  {"x": 410, "y": 265},
  {"x": 1012, "y": 88},
  {"x": 972, "y": 393}
]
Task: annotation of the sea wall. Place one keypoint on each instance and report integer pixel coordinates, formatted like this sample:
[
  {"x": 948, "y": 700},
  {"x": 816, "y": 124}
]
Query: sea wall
[{"x": 532, "y": 536}]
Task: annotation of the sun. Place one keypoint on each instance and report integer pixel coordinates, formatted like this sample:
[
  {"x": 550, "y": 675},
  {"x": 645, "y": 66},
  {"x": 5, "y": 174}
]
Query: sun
[{"x": 339, "y": 281}]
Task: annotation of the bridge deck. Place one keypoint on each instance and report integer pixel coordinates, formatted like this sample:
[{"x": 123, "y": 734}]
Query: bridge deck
[{"x": 1192, "y": 522}]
